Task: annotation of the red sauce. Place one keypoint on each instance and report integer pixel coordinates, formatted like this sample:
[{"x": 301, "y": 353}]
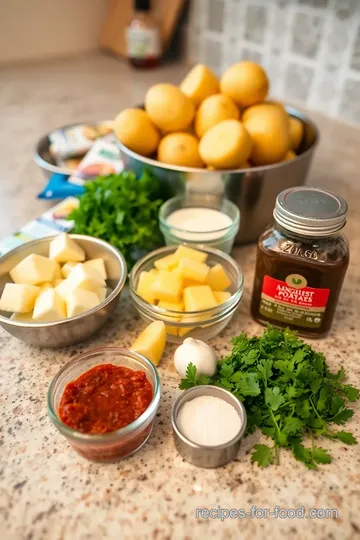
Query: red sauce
[{"x": 105, "y": 398}]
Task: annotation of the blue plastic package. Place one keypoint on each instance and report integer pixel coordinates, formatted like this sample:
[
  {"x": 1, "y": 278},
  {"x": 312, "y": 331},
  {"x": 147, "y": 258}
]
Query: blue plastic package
[{"x": 58, "y": 188}]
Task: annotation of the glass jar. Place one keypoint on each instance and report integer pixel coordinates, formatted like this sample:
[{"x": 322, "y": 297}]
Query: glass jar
[{"x": 301, "y": 262}]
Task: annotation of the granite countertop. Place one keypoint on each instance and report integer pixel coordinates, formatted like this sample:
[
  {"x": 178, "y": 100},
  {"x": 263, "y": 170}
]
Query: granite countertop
[{"x": 46, "y": 490}]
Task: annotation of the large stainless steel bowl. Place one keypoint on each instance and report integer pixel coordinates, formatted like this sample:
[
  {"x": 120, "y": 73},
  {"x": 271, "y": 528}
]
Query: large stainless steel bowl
[
  {"x": 253, "y": 190},
  {"x": 75, "y": 329}
]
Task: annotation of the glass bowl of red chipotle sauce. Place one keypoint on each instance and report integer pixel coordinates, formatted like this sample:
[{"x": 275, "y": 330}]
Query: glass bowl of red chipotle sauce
[{"x": 104, "y": 402}]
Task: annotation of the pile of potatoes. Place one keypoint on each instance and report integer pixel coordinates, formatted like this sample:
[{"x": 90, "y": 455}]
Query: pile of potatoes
[{"x": 206, "y": 122}]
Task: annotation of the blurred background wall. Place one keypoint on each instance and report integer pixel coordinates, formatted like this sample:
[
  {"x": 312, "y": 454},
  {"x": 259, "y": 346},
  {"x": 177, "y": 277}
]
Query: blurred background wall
[
  {"x": 310, "y": 48},
  {"x": 36, "y": 29}
]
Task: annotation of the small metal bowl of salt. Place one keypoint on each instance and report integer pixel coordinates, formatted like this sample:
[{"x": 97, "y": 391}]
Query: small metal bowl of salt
[{"x": 208, "y": 425}]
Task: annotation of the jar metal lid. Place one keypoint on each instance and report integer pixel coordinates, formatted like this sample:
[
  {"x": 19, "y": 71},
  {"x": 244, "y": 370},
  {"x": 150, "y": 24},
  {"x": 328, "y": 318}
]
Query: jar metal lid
[{"x": 310, "y": 211}]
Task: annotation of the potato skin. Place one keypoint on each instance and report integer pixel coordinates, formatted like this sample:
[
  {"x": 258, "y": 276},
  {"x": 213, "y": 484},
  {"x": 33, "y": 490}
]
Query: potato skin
[
  {"x": 135, "y": 130},
  {"x": 226, "y": 145},
  {"x": 169, "y": 108}
]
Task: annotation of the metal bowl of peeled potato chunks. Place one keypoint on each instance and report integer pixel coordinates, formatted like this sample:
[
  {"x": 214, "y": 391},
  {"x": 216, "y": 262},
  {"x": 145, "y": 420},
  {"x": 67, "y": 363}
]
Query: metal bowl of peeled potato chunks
[
  {"x": 221, "y": 137},
  {"x": 77, "y": 318}
]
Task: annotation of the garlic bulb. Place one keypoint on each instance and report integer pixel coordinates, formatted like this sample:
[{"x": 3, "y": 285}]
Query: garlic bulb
[{"x": 198, "y": 353}]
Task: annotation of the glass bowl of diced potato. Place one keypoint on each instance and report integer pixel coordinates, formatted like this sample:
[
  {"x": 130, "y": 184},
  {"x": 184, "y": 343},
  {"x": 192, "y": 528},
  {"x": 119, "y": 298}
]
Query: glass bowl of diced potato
[
  {"x": 59, "y": 290},
  {"x": 193, "y": 290}
]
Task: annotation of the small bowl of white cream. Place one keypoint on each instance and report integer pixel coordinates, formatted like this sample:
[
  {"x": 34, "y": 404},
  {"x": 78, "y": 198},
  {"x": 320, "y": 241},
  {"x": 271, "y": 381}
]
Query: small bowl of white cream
[
  {"x": 208, "y": 425},
  {"x": 200, "y": 218}
]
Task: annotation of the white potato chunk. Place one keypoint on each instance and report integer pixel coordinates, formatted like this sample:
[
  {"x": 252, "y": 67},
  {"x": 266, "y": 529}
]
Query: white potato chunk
[
  {"x": 49, "y": 306},
  {"x": 64, "y": 288},
  {"x": 85, "y": 277},
  {"x": 79, "y": 301},
  {"x": 65, "y": 249},
  {"x": 32, "y": 270},
  {"x": 18, "y": 298},
  {"x": 101, "y": 293},
  {"x": 57, "y": 273},
  {"x": 67, "y": 269},
  {"x": 98, "y": 264}
]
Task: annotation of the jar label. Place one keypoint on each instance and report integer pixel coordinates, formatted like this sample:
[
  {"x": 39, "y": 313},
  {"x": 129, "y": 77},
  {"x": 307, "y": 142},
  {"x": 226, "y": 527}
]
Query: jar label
[
  {"x": 143, "y": 42},
  {"x": 292, "y": 301}
]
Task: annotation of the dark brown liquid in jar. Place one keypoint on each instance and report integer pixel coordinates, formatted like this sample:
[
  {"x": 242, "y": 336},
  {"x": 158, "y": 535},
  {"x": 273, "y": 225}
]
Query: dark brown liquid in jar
[{"x": 298, "y": 280}]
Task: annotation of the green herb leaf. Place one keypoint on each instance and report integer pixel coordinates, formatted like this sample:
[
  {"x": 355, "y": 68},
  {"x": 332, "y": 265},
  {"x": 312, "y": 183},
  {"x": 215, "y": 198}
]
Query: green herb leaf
[
  {"x": 320, "y": 455},
  {"x": 248, "y": 385},
  {"x": 345, "y": 437},
  {"x": 273, "y": 398},
  {"x": 342, "y": 416},
  {"x": 292, "y": 425},
  {"x": 262, "y": 455}
]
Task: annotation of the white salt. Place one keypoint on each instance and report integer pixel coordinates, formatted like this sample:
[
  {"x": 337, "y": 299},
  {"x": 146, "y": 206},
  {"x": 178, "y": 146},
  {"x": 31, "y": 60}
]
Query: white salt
[{"x": 209, "y": 421}]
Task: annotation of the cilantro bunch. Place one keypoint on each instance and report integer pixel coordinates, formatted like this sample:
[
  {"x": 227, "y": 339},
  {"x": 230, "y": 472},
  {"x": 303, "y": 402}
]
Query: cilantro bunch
[
  {"x": 122, "y": 210},
  {"x": 288, "y": 392}
]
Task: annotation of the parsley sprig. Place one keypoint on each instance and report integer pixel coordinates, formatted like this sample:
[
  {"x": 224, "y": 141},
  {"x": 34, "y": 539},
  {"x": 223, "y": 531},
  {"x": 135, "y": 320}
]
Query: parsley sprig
[
  {"x": 288, "y": 392},
  {"x": 122, "y": 210}
]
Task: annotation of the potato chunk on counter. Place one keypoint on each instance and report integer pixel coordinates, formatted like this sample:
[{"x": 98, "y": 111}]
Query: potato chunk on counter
[
  {"x": 19, "y": 298},
  {"x": 32, "y": 270},
  {"x": 64, "y": 249}
]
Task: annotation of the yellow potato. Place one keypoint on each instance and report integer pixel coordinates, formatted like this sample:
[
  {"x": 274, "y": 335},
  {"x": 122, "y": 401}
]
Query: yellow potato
[
  {"x": 269, "y": 132},
  {"x": 262, "y": 108},
  {"x": 136, "y": 131},
  {"x": 290, "y": 155},
  {"x": 180, "y": 149},
  {"x": 296, "y": 128},
  {"x": 226, "y": 146},
  {"x": 199, "y": 84},
  {"x": 245, "y": 82},
  {"x": 169, "y": 108},
  {"x": 214, "y": 110}
]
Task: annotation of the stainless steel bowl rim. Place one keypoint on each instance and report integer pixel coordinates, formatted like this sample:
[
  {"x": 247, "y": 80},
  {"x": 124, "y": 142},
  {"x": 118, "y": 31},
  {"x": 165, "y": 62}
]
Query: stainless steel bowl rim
[
  {"x": 107, "y": 300},
  {"x": 189, "y": 391},
  {"x": 162, "y": 251},
  {"x": 231, "y": 229},
  {"x": 106, "y": 437},
  {"x": 261, "y": 168}
]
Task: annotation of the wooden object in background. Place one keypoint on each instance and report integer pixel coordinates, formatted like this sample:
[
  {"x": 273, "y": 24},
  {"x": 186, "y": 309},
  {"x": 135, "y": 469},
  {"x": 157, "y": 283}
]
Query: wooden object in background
[{"x": 119, "y": 14}]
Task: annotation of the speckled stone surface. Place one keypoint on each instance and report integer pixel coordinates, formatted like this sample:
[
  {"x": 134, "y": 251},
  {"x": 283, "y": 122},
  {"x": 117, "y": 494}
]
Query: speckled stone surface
[{"x": 46, "y": 490}]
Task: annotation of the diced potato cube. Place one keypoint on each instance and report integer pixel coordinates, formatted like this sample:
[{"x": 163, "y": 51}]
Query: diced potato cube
[
  {"x": 217, "y": 278},
  {"x": 153, "y": 272},
  {"x": 172, "y": 306},
  {"x": 64, "y": 288},
  {"x": 65, "y": 249},
  {"x": 198, "y": 298},
  {"x": 167, "y": 286},
  {"x": 67, "y": 269},
  {"x": 22, "y": 317},
  {"x": 190, "y": 253},
  {"x": 146, "y": 279},
  {"x": 18, "y": 298},
  {"x": 32, "y": 270},
  {"x": 49, "y": 306},
  {"x": 85, "y": 277},
  {"x": 98, "y": 264},
  {"x": 186, "y": 281},
  {"x": 45, "y": 286},
  {"x": 101, "y": 293},
  {"x": 57, "y": 282},
  {"x": 169, "y": 262},
  {"x": 185, "y": 330},
  {"x": 221, "y": 296},
  {"x": 194, "y": 270},
  {"x": 79, "y": 301}
]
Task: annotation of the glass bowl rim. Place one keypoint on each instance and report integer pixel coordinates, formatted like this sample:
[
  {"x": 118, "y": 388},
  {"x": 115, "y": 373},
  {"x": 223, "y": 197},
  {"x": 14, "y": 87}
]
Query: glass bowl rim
[
  {"x": 234, "y": 223},
  {"x": 112, "y": 436},
  {"x": 161, "y": 311}
]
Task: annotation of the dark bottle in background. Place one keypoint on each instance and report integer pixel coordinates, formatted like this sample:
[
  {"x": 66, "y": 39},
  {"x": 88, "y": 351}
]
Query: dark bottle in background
[{"x": 143, "y": 37}]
